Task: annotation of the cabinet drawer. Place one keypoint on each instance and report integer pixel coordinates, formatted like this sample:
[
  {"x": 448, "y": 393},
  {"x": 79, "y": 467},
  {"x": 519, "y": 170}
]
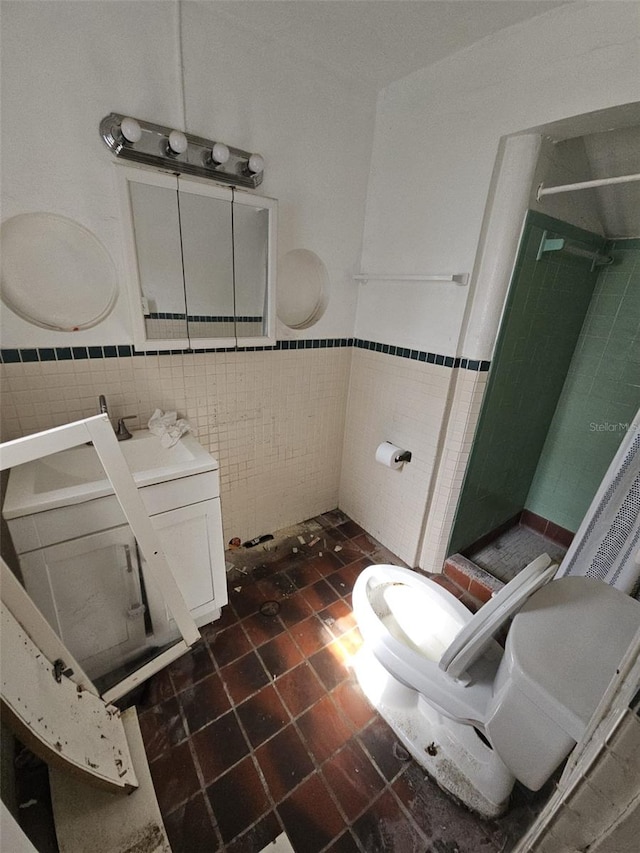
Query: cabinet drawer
[
  {"x": 59, "y": 525},
  {"x": 183, "y": 492}
]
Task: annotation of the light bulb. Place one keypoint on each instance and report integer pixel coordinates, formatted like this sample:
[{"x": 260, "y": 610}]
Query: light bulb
[
  {"x": 255, "y": 164},
  {"x": 130, "y": 129},
  {"x": 220, "y": 153},
  {"x": 178, "y": 142}
]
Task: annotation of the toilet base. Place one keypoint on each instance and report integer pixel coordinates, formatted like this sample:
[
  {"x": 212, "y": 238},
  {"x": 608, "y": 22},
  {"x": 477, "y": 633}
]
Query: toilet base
[{"x": 452, "y": 753}]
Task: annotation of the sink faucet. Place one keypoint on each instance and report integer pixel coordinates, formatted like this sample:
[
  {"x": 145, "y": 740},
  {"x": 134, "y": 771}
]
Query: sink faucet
[{"x": 122, "y": 433}]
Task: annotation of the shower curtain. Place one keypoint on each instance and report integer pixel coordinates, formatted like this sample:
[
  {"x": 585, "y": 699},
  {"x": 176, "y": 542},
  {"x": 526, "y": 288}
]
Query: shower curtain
[{"x": 607, "y": 544}]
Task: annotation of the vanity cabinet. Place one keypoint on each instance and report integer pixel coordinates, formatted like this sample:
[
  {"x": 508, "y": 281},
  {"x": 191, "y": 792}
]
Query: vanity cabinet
[
  {"x": 200, "y": 262},
  {"x": 82, "y": 567}
]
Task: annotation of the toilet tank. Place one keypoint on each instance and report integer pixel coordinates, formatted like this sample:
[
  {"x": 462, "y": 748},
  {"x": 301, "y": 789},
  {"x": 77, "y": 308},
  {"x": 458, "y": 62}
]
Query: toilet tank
[
  {"x": 560, "y": 655},
  {"x": 529, "y": 741}
]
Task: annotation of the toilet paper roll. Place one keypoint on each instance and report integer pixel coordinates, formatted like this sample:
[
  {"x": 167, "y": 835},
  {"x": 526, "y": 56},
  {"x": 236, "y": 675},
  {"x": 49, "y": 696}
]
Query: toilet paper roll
[{"x": 388, "y": 454}]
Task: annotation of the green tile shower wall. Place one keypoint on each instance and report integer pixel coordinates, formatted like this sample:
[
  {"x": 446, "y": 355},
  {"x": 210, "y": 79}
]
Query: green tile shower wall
[
  {"x": 601, "y": 395},
  {"x": 545, "y": 309}
]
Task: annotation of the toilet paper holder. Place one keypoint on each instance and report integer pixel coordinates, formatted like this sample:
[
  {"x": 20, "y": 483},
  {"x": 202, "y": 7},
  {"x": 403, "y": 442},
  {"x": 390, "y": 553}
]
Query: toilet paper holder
[{"x": 392, "y": 456}]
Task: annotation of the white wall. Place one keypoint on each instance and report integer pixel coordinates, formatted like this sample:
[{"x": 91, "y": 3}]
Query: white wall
[
  {"x": 437, "y": 135},
  {"x": 65, "y": 65},
  {"x": 314, "y": 130}
]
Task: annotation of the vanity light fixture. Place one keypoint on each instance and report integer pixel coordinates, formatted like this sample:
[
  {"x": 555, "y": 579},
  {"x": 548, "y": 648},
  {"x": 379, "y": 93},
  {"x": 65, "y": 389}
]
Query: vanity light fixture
[
  {"x": 178, "y": 152},
  {"x": 178, "y": 142},
  {"x": 255, "y": 164},
  {"x": 130, "y": 129},
  {"x": 219, "y": 153}
]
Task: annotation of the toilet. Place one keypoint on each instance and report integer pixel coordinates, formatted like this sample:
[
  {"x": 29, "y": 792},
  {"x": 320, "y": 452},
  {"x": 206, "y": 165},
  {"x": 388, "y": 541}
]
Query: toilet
[{"x": 475, "y": 715}]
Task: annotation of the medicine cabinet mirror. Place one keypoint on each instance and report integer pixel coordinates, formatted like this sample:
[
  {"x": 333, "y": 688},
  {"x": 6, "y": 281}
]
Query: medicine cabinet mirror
[{"x": 200, "y": 262}]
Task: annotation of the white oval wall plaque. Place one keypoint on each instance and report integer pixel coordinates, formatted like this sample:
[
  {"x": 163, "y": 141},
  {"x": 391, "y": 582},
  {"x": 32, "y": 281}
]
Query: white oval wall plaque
[
  {"x": 56, "y": 273},
  {"x": 303, "y": 285}
]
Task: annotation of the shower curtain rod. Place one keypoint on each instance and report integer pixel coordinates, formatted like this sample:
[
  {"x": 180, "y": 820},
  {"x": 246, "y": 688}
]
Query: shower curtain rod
[{"x": 585, "y": 185}]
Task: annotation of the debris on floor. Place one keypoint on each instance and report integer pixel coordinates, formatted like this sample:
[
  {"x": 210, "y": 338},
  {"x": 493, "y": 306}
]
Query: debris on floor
[{"x": 258, "y": 540}]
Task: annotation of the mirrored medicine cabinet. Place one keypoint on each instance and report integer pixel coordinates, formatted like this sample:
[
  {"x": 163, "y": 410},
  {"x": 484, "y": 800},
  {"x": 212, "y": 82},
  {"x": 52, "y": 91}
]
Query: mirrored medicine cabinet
[{"x": 200, "y": 262}]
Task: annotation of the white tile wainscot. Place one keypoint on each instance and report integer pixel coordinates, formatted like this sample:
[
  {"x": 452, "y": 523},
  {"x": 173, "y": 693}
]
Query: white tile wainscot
[
  {"x": 403, "y": 401},
  {"x": 273, "y": 419}
]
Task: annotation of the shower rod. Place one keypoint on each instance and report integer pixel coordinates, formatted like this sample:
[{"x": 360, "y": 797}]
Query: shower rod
[{"x": 585, "y": 185}]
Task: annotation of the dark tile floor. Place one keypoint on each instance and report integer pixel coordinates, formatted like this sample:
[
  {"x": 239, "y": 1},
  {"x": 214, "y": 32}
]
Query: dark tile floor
[{"x": 262, "y": 727}]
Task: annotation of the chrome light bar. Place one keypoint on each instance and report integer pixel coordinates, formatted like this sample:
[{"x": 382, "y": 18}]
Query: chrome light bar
[{"x": 175, "y": 151}]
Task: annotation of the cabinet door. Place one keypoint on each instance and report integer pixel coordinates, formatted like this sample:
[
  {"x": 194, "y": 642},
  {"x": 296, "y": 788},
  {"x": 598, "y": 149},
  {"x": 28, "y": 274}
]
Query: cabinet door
[
  {"x": 254, "y": 261},
  {"x": 192, "y": 540},
  {"x": 207, "y": 258},
  {"x": 89, "y": 591},
  {"x": 155, "y": 280}
]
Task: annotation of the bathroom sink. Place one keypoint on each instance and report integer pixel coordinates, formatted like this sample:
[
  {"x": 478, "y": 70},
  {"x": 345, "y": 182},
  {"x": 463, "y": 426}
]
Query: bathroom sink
[{"x": 76, "y": 475}]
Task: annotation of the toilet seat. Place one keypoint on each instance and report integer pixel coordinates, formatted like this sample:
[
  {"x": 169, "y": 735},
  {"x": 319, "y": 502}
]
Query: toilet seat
[
  {"x": 377, "y": 594},
  {"x": 468, "y": 635},
  {"x": 479, "y": 631},
  {"x": 410, "y": 665}
]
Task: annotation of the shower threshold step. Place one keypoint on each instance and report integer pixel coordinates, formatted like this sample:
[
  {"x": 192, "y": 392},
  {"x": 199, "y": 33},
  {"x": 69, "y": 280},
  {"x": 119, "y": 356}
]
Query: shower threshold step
[{"x": 474, "y": 581}]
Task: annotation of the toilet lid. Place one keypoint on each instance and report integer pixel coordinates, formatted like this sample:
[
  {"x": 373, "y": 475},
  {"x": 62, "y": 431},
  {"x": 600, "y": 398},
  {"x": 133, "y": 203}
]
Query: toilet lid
[{"x": 478, "y": 633}]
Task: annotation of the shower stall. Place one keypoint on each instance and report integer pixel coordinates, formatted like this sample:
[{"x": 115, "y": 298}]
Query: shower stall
[{"x": 564, "y": 385}]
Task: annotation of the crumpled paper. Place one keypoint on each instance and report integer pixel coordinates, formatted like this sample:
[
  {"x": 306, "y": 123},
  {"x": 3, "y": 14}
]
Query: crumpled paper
[{"x": 168, "y": 426}]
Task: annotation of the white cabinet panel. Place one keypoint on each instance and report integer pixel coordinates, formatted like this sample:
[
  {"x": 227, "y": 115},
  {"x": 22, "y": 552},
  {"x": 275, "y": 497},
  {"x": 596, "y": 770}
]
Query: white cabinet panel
[
  {"x": 192, "y": 540},
  {"x": 89, "y": 591}
]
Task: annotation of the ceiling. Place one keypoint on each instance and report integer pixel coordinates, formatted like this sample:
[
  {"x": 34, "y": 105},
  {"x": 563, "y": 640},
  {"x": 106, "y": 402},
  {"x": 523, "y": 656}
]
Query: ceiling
[{"x": 375, "y": 42}]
